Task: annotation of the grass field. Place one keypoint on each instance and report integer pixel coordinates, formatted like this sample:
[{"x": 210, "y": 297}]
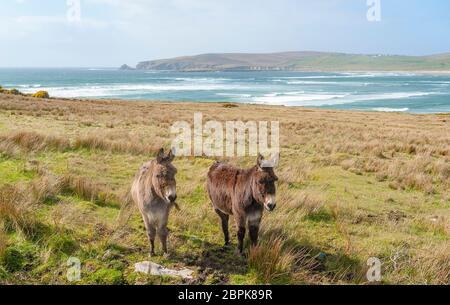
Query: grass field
[
  {"x": 353, "y": 185},
  {"x": 348, "y": 62}
]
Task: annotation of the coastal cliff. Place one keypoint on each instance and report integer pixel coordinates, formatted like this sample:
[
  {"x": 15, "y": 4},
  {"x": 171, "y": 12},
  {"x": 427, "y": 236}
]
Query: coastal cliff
[{"x": 298, "y": 61}]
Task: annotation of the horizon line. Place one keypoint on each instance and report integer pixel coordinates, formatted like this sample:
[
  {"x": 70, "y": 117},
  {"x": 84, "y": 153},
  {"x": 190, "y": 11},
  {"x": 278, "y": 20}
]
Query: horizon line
[{"x": 215, "y": 53}]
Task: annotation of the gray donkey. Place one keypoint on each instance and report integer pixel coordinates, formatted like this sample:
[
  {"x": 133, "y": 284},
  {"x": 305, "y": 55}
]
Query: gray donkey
[{"x": 154, "y": 192}]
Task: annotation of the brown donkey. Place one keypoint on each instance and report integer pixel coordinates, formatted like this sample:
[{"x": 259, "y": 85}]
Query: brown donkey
[
  {"x": 243, "y": 193},
  {"x": 154, "y": 192}
]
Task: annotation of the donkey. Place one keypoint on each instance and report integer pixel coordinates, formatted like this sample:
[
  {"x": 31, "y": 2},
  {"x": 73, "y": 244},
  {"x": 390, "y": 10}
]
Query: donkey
[
  {"x": 243, "y": 193},
  {"x": 154, "y": 192}
]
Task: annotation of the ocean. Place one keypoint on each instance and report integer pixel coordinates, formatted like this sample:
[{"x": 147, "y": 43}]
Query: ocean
[{"x": 388, "y": 92}]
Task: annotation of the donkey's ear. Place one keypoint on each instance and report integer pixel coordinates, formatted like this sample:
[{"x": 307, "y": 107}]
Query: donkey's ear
[
  {"x": 260, "y": 160},
  {"x": 275, "y": 159},
  {"x": 171, "y": 155},
  {"x": 160, "y": 156}
]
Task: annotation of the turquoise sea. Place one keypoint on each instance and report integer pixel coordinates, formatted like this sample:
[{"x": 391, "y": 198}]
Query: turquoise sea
[{"x": 391, "y": 92}]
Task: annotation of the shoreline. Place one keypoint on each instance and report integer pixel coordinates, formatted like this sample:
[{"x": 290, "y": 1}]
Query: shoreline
[
  {"x": 350, "y": 101},
  {"x": 224, "y": 104},
  {"x": 307, "y": 108}
]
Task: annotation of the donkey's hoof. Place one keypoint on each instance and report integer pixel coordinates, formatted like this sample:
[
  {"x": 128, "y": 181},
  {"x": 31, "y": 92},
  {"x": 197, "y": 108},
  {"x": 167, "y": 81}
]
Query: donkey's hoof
[
  {"x": 242, "y": 254},
  {"x": 152, "y": 254}
]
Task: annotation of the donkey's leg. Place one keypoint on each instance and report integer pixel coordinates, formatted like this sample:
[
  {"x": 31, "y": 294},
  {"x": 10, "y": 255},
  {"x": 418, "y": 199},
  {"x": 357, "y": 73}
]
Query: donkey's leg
[
  {"x": 253, "y": 227},
  {"x": 151, "y": 237},
  {"x": 151, "y": 233},
  {"x": 240, "y": 224},
  {"x": 163, "y": 232},
  {"x": 241, "y": 236},
  {"x": 224, "y": 218}
]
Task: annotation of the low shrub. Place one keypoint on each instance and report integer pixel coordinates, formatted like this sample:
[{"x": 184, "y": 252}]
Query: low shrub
[
  {"x": 62, "y": 243},
  {"x": 10, "y": 91},
  {"x": 230, "y": 105},
  {"x": 41, "y": 94},
  {"x": 14, "y": 92},
  {"x": 13, "y": 260},
  {"x": 19, "y": 257},
  {"x": 106, "y": 276}
]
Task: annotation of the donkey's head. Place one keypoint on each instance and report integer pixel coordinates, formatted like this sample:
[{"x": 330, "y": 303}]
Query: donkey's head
[
  {"x": 263, "y": 185},
  {"x": 163, "y": 178}
]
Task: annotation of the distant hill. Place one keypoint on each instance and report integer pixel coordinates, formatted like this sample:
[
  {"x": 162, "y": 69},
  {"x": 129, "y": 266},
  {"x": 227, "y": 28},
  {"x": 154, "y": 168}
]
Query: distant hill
[{"x": 300, "y": 61}]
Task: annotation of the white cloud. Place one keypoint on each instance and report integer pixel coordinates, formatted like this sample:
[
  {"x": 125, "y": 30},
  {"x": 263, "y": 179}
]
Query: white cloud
[{"x": 112, "y": 32}]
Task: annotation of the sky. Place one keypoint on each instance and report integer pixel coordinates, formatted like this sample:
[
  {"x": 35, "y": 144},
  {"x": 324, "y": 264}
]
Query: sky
[{"x": 109, "y": 33}]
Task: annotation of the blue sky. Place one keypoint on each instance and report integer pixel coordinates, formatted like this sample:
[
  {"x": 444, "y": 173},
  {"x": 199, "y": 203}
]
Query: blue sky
[{"x": 37, "y": 33}]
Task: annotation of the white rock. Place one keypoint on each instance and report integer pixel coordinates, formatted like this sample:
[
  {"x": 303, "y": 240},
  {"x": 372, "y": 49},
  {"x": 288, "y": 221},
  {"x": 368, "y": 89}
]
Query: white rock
[{"x": 155, "y": 269}]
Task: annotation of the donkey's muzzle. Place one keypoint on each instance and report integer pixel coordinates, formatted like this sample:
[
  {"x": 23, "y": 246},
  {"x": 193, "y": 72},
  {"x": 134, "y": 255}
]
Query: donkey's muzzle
[
  {"x": 270, "y": 203},
  {"x": 172, "y": 198},
  {"x": 271, "y": 206}
]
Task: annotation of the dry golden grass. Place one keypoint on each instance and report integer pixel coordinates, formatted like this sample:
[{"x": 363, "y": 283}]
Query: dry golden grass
[
  {"x": 16, "y": 212},
  {"x": 33, "y": 141},
  {"x": 121, "y": 146},
  {"x": 86, "y": 189},
  {"x": 352, "y": 185},
  {"x": 270, "y": 261},
  {"x": 433, "y": 265},
  {"x": 43, "y": 189},
  {"x": 3, "y": 240},
  {"x": 47, "y": 186}
]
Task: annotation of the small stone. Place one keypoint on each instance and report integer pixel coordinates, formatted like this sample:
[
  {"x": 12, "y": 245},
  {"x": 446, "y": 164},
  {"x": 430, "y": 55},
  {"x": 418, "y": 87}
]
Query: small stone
[
  {"x": 107, "y": 255},
  {"x": 151, "y": 268}
]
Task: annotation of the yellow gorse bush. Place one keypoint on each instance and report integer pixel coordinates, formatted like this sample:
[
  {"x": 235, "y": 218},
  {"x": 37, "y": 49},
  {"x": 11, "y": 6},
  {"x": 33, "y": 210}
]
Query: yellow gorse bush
[{"x": 41, "y": 94}]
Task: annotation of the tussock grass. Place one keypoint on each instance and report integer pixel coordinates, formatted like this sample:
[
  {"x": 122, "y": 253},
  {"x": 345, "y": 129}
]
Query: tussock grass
[
  {"x": 9, "y": 149},
  {"x": 270, "y": 261},
  {"x": 433, "y": 265},
  {"x": 34, "y": 142},
  {"x": 87, "y": 189},
  {"x": 277, "y": 261},
  {"x": 293, "y": 205},
  {"x": 95, "y": 142},
  {"x": 16, "y": 212},
  {"x": 3, "y": 240},
  {"x": 11, "y": 144},
  {"x": 311, "y": 203},
  {"x": 44, "y": 189}
]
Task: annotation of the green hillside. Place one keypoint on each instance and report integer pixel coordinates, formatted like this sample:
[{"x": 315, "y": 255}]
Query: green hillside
[
  {"x": 300, "y": 61},
  {"x": 345, "y": 62}
]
